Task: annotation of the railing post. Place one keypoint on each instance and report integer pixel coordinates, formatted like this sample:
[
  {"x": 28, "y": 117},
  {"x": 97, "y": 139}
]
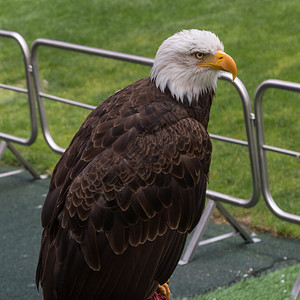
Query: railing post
[
  {"x": 29, "y": 91},
  {"x": 262, "y": 148},
  {"x": 8, "y": 139}
]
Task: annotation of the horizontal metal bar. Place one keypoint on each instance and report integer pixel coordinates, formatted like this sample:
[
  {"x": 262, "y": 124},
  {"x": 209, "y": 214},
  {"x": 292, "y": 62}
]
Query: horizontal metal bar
[
  {"x": 228, "y": 140},
  {"x": 13, "y": 88},
  {"x": 92, "y": 51},
  {"x": 6, "y": 174},
  {"x": 218, "y": 238},
  {"x": 217, "y": 196},
  {"x": 281, "y": 150},
  {"x": 278, "y": 84},
  {"x": 67, "y": 101},
  {"x": 12, "y": 138}
]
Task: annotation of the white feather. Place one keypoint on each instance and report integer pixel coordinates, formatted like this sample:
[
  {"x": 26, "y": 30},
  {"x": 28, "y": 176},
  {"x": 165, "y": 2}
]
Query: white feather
[{"x": 175, "y": 66}]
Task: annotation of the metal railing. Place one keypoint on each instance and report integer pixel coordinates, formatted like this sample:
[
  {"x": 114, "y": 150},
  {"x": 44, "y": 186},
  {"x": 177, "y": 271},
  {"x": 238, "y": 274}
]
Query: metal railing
[
  {"x": 250, "y": 143},
  {"x": 5, "y": 138},
  {"x": 75, "y": 48},
  {"x": 248, "y": 116},
  {"x": 262, "y": 147},
  {"x": 29, "y": 91}
]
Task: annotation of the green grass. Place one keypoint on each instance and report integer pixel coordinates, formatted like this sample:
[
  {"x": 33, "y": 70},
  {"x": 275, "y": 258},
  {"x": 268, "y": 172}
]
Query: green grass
[
  {"x": 262, "y": 36},
  {"x": 276, "y": 286}
]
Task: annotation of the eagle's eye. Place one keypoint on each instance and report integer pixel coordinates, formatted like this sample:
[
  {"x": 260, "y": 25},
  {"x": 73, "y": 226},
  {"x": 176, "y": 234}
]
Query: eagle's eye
[{"x": 198, "y": 55}]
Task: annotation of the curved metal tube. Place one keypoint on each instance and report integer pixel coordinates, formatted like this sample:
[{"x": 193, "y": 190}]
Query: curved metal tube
[
  {"x": 76, "y": 48},
  {"x": 29, "y": 91},
  {"x": 262, "y": 148},
  {"x": 248, "y": 117}
]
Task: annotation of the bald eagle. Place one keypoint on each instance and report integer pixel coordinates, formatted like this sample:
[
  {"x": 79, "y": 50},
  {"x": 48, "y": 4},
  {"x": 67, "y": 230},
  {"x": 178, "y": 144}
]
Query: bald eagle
[{"x": 132, "y": 183}]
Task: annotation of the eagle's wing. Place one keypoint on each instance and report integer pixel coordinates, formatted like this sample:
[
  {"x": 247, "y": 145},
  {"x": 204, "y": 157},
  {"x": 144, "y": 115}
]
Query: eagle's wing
[
  {"x": 120, "y": 193},
  {"x": 149, "y": 184}
]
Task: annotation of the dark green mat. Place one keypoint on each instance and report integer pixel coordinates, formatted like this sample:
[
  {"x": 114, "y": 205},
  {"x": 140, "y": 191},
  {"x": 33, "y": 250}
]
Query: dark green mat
[
  {"x": 214, "y": 265},
  {"x": 21, "y": 200}
]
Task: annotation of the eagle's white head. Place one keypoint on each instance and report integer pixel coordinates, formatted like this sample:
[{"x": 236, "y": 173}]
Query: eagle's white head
[{"x": 189, "y": 62}]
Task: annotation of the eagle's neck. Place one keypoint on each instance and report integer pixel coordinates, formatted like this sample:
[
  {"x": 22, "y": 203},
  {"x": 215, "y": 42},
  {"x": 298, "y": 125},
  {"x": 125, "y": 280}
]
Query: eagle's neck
[
  {"x": 197, "y": 108},
  {"x": 185, "y": 85}
]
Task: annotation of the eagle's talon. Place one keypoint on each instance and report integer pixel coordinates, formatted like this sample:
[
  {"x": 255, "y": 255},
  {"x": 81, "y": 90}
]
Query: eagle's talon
[{"x": 164, "y": 289}]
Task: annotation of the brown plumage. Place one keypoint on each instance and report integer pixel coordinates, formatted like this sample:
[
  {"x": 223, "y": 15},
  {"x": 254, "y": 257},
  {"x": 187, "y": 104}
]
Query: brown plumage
[{"x": 124, "y": 196}]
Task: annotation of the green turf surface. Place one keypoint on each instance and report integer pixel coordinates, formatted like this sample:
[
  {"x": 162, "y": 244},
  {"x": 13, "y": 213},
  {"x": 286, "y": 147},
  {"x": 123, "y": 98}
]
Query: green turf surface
[{"x": 276, "y": 286}]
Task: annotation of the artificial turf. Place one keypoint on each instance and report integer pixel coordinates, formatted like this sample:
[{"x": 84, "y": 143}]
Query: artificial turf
[{"x": 273, "y": 285}]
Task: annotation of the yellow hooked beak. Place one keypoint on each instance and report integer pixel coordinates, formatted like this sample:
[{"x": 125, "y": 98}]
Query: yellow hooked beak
[{"x": 220, "y": 61}]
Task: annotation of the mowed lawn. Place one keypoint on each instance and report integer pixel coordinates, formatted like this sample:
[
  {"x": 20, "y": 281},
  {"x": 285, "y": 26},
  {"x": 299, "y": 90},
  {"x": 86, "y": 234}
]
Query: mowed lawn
[{"x": 262, "y": 37}]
